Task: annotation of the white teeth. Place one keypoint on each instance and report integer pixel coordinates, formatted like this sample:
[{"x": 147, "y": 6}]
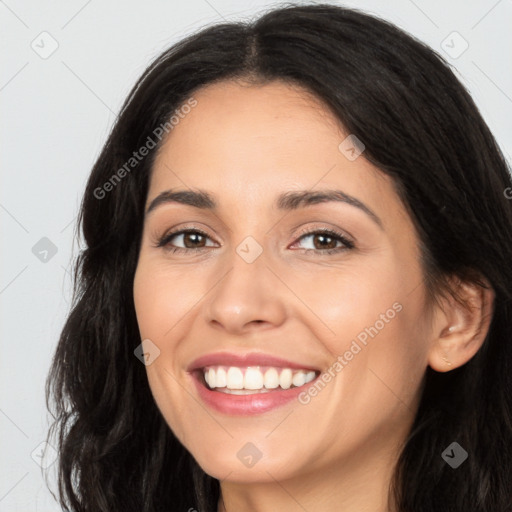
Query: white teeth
[
  {"x": 221, "y": 380},
  {"x": 253, "y": 379},
  {"x": 271, "y": 378},
  {"x": 285, "y": 379},
  {"x": 299, "y": 379},
  {"x": 310, "y": 376},
  {"x": 241, "y": 381},
  {"x": 212, "y": 378},
  {"x": 242, "y": 391},
  {"x": 234, "y": 378}
]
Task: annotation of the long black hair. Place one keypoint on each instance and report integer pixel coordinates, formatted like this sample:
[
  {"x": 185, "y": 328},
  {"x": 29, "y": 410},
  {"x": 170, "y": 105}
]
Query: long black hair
[{"x": 419, "y": 126}]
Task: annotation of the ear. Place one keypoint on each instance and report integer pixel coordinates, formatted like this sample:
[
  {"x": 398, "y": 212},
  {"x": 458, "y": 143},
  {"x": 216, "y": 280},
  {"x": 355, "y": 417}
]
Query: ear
[{"x": 460, "y": 326}]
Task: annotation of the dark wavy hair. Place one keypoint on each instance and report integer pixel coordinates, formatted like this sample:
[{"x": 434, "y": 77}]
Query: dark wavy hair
[{"x": 421, "y": 127}]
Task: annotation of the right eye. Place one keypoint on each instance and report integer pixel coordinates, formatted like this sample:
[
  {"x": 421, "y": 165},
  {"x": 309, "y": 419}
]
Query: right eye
[{"x": 188, "y": 236}]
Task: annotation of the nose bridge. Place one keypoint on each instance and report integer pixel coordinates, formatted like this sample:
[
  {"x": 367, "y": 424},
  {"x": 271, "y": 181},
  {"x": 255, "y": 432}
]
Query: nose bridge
[{"x": 246, "y": 291}]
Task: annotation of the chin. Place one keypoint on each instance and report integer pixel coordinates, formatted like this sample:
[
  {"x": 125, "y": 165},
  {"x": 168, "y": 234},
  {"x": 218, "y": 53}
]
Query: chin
[{"x": 244, "y": 463}]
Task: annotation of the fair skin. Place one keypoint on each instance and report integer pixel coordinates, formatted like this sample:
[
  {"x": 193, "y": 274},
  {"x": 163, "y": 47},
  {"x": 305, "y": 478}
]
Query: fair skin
[{"x": 245, "y": 145}]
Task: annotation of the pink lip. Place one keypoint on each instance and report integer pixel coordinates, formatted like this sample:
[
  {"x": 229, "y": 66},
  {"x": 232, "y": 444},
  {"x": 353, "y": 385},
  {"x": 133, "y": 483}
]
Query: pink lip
[
  {"x": 244, "y": 405},
  {"x": 243, "y": 360}
]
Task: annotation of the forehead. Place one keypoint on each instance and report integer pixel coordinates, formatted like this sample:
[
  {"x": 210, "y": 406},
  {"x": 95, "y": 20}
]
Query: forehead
[{"x": 248, "y": 142}]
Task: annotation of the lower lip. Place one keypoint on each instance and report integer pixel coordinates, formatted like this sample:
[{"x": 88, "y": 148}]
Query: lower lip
[{"x": 246, "y": 405}]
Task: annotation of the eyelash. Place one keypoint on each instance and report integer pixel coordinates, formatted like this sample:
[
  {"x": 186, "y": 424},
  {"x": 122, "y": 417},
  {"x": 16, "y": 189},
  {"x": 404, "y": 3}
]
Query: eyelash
[{"x": 348, "y": 244}]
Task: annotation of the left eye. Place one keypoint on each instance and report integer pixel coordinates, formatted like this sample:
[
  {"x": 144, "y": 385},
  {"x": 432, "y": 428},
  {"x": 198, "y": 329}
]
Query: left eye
[{"x": 326, "y": 241}]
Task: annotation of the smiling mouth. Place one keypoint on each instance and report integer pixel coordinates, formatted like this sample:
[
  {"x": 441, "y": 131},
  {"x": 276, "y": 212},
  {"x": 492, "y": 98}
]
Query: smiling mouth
[{"x": 252, "y": 380}]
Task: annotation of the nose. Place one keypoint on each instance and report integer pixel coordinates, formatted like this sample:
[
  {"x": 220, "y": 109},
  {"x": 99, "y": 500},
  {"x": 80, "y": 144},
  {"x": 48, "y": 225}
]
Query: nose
[{"x": 248, "y": 296}]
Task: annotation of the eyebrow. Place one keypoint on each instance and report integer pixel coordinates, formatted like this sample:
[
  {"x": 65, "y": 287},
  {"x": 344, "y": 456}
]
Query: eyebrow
[{"x": 286, "y": 201}]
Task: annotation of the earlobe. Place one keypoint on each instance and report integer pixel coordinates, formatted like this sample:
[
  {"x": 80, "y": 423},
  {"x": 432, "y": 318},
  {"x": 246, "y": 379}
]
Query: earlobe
[{"x": 461, "y": 325}]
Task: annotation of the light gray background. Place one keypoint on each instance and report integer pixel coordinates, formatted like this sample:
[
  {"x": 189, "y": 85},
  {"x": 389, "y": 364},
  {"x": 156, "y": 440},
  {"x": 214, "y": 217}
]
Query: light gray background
[{"x": 57, "y": 112}]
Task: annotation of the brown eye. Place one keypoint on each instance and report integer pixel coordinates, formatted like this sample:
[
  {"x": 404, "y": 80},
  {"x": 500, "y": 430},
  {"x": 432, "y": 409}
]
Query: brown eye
[
  {"x": 191, "y": 239},
  {"x": 325, "y": 241},
  {"x": 194, "y": 239}
]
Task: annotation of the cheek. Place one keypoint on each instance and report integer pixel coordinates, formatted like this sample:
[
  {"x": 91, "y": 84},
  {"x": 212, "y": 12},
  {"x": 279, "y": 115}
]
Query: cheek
[
  {"x": 376, "y": 320},
  {"x": 160, "y": 304},
  {"x": 385, "y": 348},
  {"x": 162, "y": 298},
  {"x": 349, "y": 299}
]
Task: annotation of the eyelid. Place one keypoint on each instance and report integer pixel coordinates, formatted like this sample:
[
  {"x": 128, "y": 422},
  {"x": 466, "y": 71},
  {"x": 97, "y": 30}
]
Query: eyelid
[
  {"x": 172, "y": 232},
  {"x": 314, "y": 229},
  {"x": 344, "y": 238},
  {"x": 158, "y": 234},
  {"x": 346, "y": 242},
  {"x": 305, "y": 231}
]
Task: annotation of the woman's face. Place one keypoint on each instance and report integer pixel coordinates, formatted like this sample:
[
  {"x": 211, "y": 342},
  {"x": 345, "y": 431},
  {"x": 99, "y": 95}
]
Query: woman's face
[{"x": 260, "y": 297}]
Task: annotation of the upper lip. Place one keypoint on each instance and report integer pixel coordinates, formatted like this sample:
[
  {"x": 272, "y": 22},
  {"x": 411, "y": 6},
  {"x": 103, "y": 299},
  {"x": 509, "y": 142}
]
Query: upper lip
[{"x": 244, "y": 360}]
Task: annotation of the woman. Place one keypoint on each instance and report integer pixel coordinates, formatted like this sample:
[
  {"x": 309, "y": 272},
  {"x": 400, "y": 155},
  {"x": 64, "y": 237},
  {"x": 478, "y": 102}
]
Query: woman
[{"x": 295, "y": 292}]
